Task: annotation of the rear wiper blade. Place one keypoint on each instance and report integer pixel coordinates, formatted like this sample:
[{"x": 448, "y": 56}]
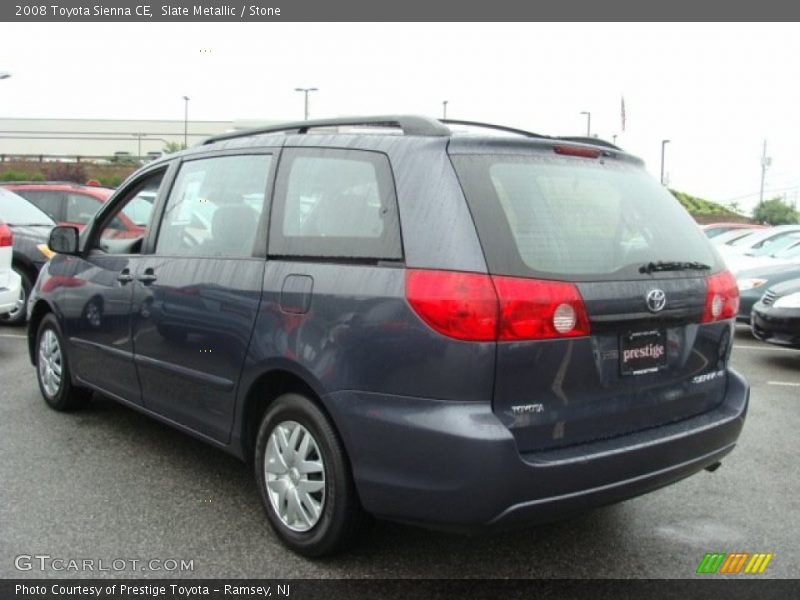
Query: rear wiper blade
[{"x": 662, "y": 265}]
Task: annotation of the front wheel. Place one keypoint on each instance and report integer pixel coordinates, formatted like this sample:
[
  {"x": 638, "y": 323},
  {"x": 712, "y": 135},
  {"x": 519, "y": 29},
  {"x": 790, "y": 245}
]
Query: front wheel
[
  {"x": 52, "y": 369},
  {"x": 304, "y": 478}
]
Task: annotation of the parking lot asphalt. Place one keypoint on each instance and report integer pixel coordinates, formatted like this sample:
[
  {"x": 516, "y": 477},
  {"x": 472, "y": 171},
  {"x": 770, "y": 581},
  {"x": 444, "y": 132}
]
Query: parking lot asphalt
[{"x": 107, "y": 483}]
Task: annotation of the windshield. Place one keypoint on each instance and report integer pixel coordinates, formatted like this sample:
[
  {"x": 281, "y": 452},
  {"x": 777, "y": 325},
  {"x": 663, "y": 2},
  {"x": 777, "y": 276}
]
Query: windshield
[
  {"x": 773, "y": 246},
  {"x": 566, "y": 216},
  {"x": 790, "y": 251},
  {"x": 15, "y": 210}
]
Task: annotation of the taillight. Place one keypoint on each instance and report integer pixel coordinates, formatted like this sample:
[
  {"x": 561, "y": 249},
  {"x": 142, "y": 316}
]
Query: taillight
[
  {"x": 531, "y": 309},
  {"x": 6, "y": 237},
  {"x": 459, "y": 305},
  {"x": 722, "y": 297},
  {"x": 476, "y": 307}
]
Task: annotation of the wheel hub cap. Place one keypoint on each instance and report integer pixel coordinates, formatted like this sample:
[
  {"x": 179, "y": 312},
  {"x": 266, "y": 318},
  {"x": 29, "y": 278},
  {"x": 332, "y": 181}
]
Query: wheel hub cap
[
  {"x": 295, "y": 476},
  {"x": 50, "y": 363}
]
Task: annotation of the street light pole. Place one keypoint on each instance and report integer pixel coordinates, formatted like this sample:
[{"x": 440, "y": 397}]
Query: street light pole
[
  {"x": 186, "y": 121},
  {"x": 588, "y": 122},
  {"x": 663, "y": 146},
  {"x": 444, "y": 109},
  {"x": 306, "y": 91},
  {"x": 765, "y": 162}
]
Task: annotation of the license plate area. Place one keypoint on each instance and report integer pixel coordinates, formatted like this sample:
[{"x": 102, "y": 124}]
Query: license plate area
[{"x": 642, "y": 352}]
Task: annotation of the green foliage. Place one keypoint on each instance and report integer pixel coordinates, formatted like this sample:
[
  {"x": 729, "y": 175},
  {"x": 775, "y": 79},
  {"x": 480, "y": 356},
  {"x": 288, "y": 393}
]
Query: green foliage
[
  {"x": 110, "y": 180},
  {"x": 21, "y": 176},
  {"x": 776, "y": 212},
  {"x": 172, "y": 147},
  {"x": 699, "y": 207}
]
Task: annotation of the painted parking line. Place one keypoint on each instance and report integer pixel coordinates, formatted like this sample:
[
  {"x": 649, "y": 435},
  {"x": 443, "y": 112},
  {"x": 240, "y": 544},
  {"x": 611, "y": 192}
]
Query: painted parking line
[
  {"x": 12, "y": 336},
  {"x": 784, "y": 383},
  {"x": 766, "y": 348}
]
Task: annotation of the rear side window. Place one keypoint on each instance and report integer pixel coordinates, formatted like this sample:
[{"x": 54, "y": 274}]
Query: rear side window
[
  {"x": 215, "y": 207},
  {"x": 335, "y": 204},
  {"x": 567, "y": 217}
]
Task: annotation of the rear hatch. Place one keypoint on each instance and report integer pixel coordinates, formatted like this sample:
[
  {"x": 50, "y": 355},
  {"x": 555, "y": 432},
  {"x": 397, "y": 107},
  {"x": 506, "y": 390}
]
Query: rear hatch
[{"x": 654, "y": 351}]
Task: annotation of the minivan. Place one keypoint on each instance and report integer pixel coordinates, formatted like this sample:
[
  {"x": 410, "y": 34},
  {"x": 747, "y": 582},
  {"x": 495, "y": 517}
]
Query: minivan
[{"x": 455, "y": 325}]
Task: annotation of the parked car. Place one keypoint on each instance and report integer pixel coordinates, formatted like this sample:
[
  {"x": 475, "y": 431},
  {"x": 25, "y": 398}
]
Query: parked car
[
  {"x": 784, "y": 250},
  {"x": 712, "y": 230},
  {"x": 10, "y": 282},
  {"x": 731, "y": 236},
  {"x": 30, "y": 228},
  {"x": 753, "y": 282},
  {"x": 756, "y": 240},
  {"x": 75, "y": 204},
  {"x": 549, "y": 331},
  {"x": 776, "y": 317}
]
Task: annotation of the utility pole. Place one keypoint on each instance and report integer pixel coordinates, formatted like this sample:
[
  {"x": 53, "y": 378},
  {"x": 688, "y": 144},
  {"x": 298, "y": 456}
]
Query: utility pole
[
  {"x": 766, "y": 161},
  {"x": 444, "y": 109}
]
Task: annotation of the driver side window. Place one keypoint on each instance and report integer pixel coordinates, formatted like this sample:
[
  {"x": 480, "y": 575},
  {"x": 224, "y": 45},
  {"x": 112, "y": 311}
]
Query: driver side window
[{"x": 122, "y": 235}]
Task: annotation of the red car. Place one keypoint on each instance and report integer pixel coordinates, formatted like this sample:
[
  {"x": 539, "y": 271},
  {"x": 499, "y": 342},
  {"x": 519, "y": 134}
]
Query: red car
[{"x": 75, "y": 204}]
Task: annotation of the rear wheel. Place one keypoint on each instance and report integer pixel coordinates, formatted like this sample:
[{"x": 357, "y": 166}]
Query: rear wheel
[
  {"x": 304, "y": 478},
  {"x": 52, "y": 369},
  {"x": 17, "y": 315}
]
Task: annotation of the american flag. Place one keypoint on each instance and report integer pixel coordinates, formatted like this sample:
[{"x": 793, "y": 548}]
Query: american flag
[{"x": 622, "y": 112}]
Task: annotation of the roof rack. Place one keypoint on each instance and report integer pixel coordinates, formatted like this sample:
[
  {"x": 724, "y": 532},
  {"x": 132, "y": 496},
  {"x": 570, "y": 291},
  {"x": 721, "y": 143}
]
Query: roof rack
[
  {"x": 409, "y": 124},
  {"x": 492, "y": 126},
  {"x": 588, "y": 140}
]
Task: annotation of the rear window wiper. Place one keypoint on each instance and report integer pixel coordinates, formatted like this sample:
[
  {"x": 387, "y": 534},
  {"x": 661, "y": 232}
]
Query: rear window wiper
[{"x": 661, "y": 265}]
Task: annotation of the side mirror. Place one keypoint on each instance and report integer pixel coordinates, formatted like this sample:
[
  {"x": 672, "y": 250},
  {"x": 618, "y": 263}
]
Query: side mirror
[{"x": 64, "y": 239}]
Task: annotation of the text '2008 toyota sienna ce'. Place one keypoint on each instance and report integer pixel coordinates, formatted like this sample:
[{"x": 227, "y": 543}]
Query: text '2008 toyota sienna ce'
[{"x": 392, "y": 318}]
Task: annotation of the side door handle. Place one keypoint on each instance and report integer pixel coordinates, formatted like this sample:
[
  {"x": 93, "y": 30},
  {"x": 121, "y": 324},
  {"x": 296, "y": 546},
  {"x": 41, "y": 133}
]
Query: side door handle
[
  {"x": 147, "y": 277},
  {"x": 125, "y": 276}
]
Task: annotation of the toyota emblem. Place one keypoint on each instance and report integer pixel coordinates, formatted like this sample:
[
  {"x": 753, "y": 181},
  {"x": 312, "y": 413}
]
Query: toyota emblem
[{"x": 656, "y": 300}]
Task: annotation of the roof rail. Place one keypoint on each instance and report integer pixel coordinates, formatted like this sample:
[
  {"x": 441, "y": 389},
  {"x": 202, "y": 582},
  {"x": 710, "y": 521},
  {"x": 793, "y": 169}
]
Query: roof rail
[
  {"x": 409, "y": 124},
  {"x": 492, "y": 126},
  {"x": 589, "y": 140}
]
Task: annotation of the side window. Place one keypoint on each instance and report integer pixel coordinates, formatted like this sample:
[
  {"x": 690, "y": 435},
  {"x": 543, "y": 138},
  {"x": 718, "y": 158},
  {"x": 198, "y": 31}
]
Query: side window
[
  {"x": 335, "y": 204},
  {"x": 215, "y": 206},
  {"x": 81, "y": 208},
  {"x": 115, "y": 237}
]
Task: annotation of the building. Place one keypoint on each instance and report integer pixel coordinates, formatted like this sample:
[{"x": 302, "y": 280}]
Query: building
[{"x": 103, "y": 138}]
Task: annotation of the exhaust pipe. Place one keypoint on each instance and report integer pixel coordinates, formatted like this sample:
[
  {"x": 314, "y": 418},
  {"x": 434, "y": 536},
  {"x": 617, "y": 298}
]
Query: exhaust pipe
[{"x": 713, "y": 467}]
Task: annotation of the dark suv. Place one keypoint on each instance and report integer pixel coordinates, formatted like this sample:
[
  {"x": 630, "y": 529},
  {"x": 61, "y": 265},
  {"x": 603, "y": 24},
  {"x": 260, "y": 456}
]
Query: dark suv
[{"x": 393, "y": 319}]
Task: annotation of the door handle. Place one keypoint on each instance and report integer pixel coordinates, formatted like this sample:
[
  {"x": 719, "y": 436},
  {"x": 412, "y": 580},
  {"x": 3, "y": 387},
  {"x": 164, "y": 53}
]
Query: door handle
[
  {"x": 125, "y": 276},
  {"x": 147, "y": 277}
]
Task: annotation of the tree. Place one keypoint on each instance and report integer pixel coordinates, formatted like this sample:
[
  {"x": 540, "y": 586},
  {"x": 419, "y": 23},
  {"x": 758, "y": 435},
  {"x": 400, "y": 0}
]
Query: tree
[
  {"x": 775, "y": 212},
  {"x": 172, "y": 147}
]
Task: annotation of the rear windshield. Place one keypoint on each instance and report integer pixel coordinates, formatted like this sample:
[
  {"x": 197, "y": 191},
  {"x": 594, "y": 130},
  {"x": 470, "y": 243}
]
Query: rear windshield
[{"x": 568, "y": 217}]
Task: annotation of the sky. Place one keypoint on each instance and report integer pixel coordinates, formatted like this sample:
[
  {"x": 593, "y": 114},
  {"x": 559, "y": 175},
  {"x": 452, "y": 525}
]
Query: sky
[{"x": 716, "y": 91}]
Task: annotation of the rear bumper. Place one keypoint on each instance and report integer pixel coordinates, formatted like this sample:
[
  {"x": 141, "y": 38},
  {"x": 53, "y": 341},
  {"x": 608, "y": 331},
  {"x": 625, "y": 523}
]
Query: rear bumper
[
  {"x": 10, "y": 293},
  {"x": 455, "y": 466}
]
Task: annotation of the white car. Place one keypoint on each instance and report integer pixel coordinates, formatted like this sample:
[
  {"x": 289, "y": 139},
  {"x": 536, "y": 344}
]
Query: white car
[
  {"x": 784, "y": 250},
  {"x": 756, "y": 241},
  {"x": 10, "y": 281}
]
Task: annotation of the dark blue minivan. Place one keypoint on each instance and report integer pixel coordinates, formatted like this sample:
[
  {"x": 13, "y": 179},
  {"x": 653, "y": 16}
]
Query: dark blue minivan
[{"x": 413, "y": 319}]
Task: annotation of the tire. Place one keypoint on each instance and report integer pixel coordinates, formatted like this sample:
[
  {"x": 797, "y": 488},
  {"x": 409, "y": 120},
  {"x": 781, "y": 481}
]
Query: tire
[
  {"x": 339, "y": 517},
  {"x": 52, "y": 369},
  {"x": 18, "y": 316}
]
